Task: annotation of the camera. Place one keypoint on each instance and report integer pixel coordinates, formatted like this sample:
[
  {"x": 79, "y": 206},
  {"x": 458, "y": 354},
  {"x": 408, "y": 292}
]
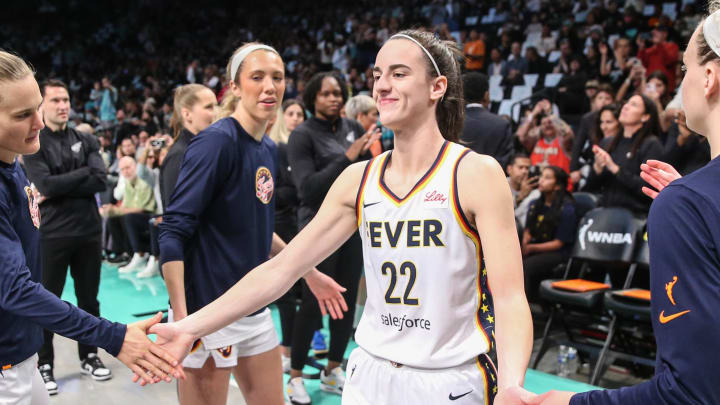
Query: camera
[{"x": 157, "y": 143}]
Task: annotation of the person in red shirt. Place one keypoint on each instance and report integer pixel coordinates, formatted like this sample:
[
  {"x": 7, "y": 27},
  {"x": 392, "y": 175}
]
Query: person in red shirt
[
  {"x": 662, "y": 55},
  {"x": 553, "y": 139}
]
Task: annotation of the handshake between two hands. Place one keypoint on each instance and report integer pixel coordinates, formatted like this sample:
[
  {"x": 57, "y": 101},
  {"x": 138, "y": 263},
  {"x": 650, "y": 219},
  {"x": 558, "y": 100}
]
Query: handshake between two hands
[{"x": 154, "y": 362}]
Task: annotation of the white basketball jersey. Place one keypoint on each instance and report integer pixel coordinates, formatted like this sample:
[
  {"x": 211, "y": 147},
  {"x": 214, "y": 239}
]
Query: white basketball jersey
[{"x": 428, "y": 302}]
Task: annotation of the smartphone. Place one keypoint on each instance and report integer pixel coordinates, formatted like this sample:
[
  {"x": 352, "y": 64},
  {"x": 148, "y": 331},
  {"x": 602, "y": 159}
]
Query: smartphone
[{"x": 534, "y": 171}]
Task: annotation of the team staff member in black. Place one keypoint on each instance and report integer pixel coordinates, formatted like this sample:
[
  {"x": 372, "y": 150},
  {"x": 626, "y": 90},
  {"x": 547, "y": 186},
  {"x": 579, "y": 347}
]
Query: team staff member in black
[
  {"x": 68, "y": 171},
  {"x": 318, "y": 151}
]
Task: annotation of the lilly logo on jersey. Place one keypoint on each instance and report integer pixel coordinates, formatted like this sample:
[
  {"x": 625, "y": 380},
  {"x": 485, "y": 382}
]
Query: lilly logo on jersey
[
  {"x": 612, "y": 238},
  {"x": 434, "y": 199}
]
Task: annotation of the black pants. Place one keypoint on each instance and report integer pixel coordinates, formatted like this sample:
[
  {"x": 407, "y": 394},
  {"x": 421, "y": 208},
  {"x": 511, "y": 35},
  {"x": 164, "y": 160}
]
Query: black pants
[
  {"x": 345, "y": 267},
  {"x": 287, "y": 304},
  {"x": 120, "y": 243},
  {"x": 83, "y": 256},
  {"x": 137, "y": 228},
  {"x": 154, "y": 237},
  {"x": 539, "y": 267}
]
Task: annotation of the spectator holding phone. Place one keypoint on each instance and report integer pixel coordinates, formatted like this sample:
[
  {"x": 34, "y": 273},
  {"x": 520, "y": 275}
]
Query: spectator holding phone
[
  {"x": 550, "y": 229},
  {"x": 523, "y": 185}
]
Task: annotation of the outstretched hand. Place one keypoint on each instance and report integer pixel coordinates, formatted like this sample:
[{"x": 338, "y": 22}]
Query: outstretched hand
[
  {"x": 658, "y": 174},
  {"x": 148, "y": 361},
  {"x": 173, "y": 341},
  {"x": 328, "y": 294}
]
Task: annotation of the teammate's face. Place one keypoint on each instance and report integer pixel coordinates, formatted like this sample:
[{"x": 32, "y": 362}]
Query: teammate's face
[
  {"x": 56, "y": 106},
  {"x": 293, "y": 117},
  {"x": 20, "y": 118},
  {"x": 404, "y": 91},
  {"x": 202, "y": 113},
  {"x": 262, "y": 84}
]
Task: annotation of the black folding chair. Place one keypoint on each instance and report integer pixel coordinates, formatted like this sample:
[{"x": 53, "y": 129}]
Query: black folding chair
[
  {"x": 630, "y": 335},
  {"x": 606, "y": 239},
  {"x": 584, "y": 202}
]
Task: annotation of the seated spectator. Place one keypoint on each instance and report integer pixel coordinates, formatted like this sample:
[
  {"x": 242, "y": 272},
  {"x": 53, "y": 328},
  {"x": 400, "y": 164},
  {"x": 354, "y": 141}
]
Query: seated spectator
[
  {"x": 522, "y": 185},
  {"x": 634, "y": 83},
  {"x": 536, "y": 64},
  {"x": 554, "y": 139},
  {"x": 130, "y": 219},
  {"x": 550, "y": 229},
  {"x": 484, "y": 132},
  {"x": 616, "y": 167},
  {"x": 548, "y": 42},
  {"x": 496, "y": 66},
  {"x": 362, "y": 109},
  {"x": 658, "y": 91},
  {"x": 515, "y": 60}
]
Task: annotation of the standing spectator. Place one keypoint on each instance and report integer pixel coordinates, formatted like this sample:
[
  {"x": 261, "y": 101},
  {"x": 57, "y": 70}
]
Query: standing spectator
[
  {"x": 68, "y": 171},
  {"x": 108, "y": 102},
  {"x": 318, "y": 151},
  {"x": 616, "y": 169},
  {"x": 474, "y": 51},
  {"x": 606, "y": 125},
  {"x": 662, "y": 55},
  {"x": 484, "y": 132},
  {"x": 603, "y": 97},
  {"x": 685, "y": 150},
  {"x": 191, "y": 72},
  {"x": 551, "y": 148},
  {"x": 96, "y": 95},
  {"x": 550, "y": 229}
]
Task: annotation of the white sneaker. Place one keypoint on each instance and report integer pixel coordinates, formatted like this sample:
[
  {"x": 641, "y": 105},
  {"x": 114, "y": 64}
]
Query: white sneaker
[
  {"x": 152, "y": 269},
  {"x": 334, "y": 382},
  {"x": 286, "y": 364},
  {"x": 137, "y": 263},
  {"x": 296, "y": 392}
]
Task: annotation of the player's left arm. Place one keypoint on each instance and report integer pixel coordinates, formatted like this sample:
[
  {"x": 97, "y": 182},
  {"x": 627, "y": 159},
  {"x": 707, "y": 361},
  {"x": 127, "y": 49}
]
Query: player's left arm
[{"x": 486, "y": 199}]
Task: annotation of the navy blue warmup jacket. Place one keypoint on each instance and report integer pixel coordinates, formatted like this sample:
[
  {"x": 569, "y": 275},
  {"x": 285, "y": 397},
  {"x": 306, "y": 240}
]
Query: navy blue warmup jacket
[
  {"x": 221, "y": 215},
  {"x": 25, "y": 306},
  {"x": 684, "y": 237}
]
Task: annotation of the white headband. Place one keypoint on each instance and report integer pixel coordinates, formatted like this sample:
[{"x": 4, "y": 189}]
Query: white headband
[
  {"x": 240, "y": 56},
  {"x": 711, "y": 31},
  {"x": 421, "y": 47}
]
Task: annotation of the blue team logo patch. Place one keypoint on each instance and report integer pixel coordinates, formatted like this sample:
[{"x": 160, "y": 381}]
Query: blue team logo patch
[
  {"x": 32, "y": 197},
  {"x": 264, "y": 185}
]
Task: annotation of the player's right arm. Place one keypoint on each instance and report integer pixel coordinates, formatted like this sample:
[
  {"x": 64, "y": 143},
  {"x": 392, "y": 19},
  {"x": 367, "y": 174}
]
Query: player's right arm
[
  {"x": 27, "y": 299},
  {"x": 334, "y": 223}
]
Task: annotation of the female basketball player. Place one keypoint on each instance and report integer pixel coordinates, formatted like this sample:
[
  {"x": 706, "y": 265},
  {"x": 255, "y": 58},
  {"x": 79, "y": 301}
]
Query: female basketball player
[
  {"x": 25, "y": 306},
  {"x": 684, "y": 245},
  {"x": 441, "y": 253},
  {"x": 219, "y": 225}
]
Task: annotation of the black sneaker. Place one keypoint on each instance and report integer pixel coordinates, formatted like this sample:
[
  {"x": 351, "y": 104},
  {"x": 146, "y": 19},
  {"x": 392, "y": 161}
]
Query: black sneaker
[
  {"x": 95, "y": 368},
  {"x": 47, "y": 375}
]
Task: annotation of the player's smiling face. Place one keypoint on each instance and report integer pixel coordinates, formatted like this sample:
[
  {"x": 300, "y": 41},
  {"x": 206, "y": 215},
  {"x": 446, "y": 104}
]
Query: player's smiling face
[{"x": 403, "y": 88}]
